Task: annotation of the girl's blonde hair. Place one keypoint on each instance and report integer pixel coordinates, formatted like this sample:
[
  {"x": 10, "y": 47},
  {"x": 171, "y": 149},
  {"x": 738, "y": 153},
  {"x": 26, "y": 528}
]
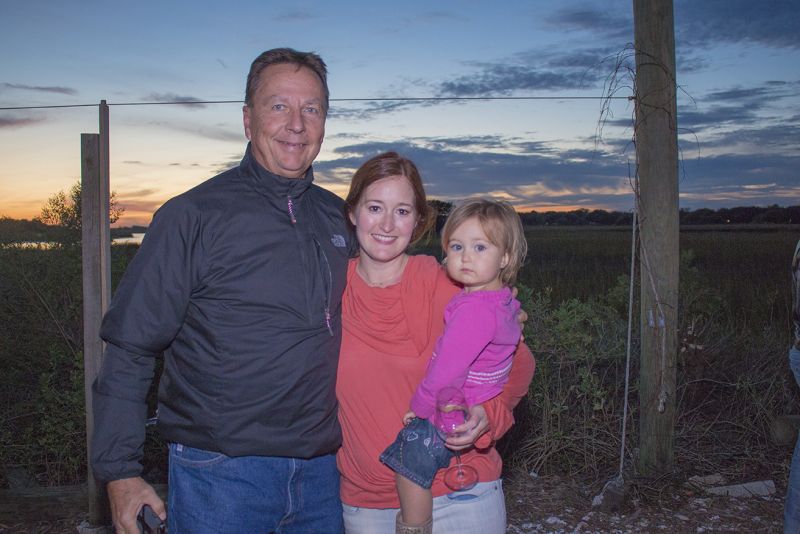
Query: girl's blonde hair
[{"x": 502, "y": 226}]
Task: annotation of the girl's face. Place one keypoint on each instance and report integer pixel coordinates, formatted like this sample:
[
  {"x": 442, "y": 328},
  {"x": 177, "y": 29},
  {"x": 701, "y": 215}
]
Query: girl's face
[
  {"x": 472, "y": 259},
  {"x": 385, "y": 219}
]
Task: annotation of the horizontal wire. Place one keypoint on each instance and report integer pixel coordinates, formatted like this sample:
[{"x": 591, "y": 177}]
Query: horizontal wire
[{"x": 397, "y": 99}]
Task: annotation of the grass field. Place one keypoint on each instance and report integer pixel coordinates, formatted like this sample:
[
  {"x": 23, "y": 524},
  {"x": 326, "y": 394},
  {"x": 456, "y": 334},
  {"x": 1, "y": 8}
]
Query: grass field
[
  {"x": 748, "y": 267},
  {"x": 733, "y": 378}
]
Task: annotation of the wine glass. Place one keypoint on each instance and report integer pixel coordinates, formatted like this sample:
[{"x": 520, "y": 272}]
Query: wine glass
[{"x": 451, "y": 411}]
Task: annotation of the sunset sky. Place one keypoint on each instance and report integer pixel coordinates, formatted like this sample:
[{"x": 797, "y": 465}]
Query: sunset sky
[{"x": 738, "y": 75}]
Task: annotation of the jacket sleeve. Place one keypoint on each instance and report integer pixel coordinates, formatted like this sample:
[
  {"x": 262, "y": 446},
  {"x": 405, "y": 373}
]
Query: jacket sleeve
[
  {"x": 500, "y": 409},
  {"x": 470, "y": 327},
  {"x": 146, "y": 313}
]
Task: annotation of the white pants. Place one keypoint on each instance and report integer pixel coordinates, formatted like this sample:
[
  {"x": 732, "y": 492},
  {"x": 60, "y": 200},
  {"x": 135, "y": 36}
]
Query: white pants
[{"x": 481, "y": 510}]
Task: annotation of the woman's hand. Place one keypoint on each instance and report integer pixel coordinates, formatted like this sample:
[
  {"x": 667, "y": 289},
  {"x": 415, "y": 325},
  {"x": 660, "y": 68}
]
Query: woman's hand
[{"x": 465, "y": 435}]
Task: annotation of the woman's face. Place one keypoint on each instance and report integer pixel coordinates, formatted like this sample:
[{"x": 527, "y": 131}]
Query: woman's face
[{"x": 385, "y": 219}]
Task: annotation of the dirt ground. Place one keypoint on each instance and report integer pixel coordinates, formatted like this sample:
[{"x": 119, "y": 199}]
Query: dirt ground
[
  {"x": 554, "y": 506},
  {"x": 551, "y": 505}
]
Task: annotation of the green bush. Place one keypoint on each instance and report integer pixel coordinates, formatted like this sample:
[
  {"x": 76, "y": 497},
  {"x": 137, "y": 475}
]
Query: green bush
[
  {"x": 42, "y": 415},
  {"x": 731, "y": 382},
  {"x": 570, "y": 421},
  {"x": 59, "y": 431}
]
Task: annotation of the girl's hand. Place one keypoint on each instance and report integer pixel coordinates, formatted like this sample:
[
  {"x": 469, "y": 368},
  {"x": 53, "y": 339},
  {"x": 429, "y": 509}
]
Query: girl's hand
[
  {"x": 408, "y": 417},
  {"x": 465, "y": 435}
]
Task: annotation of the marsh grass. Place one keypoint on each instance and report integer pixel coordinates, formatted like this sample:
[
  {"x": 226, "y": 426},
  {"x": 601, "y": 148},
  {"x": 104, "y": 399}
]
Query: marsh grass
[
  {"x": 733, "y": 380},
  {"x": 732, "y": 372}
]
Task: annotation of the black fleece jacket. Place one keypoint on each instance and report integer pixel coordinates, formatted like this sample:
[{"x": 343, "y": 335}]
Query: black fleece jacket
[{"x": 239, "y": 283}]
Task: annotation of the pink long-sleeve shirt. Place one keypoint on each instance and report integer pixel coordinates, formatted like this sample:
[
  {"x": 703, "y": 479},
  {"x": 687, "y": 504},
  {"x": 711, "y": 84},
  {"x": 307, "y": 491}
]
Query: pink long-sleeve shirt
[{"x": 474, "y": 352}]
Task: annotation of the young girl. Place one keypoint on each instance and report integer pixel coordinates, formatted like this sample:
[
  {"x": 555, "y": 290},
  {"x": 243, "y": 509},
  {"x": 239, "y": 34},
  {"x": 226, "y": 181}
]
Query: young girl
[{"x": 485, "y": 246}]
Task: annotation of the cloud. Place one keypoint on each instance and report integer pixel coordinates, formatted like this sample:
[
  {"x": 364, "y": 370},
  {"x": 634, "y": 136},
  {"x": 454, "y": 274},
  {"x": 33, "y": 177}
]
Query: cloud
[
  {"x": 208, "y": 131},
  {"x": 748, "y": 110},
  {"x": 217, "y": 133},
  {"x": 780, "y": 138},
  {"x": 768, "y": 92},
  {"x": 534, "y": 70},
  {"x": 367, "y": 110},
  {"x": 187, "y": 101},
  {"x": 141, "y": 193},
  {"x": 437, "y": 17},
  {"x": 716, "y": 116},
  {"x": 137, "y": 211},
  {"x": 535, "y": 174},
  {"x": 7, "y": 121},
  {"x": 525, "y": 172},
  {"x": 735, "y": 179},
  {"x": 617, "y": 26},
  {"x": 40, "y": 88},
  {"x": 773, "y": 23},
  {"x": 698, "y": 23},
  {"x": 227, "y": 163},
  {"x": 504, "y": 79},
  {"x": 295, "y": 15}
]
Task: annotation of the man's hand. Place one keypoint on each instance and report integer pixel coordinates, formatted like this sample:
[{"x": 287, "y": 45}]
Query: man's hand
[
  {"x": 127, "y": 496},
  {"x": 465, "y": 435}
]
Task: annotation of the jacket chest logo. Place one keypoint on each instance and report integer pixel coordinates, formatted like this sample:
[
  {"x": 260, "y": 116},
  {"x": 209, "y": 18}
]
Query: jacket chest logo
[{"x": 338, "y": 241}]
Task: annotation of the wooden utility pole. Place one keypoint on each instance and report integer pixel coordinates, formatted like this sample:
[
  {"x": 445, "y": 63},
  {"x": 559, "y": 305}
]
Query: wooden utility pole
[
  {"x": 96, "y": 253},
  {"x": 657, "y": 155}
]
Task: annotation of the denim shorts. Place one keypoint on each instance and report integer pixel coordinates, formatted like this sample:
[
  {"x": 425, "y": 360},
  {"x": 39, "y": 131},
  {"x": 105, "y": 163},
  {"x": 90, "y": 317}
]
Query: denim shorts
[{"x": 418, "y": 452}]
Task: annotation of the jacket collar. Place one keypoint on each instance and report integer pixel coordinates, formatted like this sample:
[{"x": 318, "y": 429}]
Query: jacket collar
[{"x": 272, "y": 185}]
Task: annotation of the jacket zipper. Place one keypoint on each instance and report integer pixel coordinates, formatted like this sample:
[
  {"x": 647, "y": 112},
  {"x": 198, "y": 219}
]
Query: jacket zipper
[
  {"x": 320, "y": 253},
  {"x": 290, "y": 206},
  {"x": 328, "y": 285}
]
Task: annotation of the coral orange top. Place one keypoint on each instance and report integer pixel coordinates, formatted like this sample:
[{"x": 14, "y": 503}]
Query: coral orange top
[{"x": 388, "y": 337}]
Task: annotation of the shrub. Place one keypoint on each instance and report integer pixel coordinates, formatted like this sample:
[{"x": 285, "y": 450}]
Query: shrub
[{"x": 570, "y": 421}]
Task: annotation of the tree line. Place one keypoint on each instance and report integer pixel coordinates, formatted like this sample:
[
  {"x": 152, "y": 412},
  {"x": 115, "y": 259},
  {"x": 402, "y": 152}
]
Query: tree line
[
  {"x": 584, "y": 217},
  {"x": 60, "y": 218}
]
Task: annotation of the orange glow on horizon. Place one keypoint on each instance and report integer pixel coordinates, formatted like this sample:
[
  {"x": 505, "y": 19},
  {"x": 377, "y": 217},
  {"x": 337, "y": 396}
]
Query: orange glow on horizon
[{"x": 554, "y": 207}]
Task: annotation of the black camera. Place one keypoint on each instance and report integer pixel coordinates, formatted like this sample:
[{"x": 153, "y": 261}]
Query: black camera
[{"x": 149, "y": 522}]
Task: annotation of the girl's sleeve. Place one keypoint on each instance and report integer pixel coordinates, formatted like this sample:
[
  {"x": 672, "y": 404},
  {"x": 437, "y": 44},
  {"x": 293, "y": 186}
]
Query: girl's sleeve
[
  {"x": 499, "y": 410},
  {"x": 470, "y": 327}
]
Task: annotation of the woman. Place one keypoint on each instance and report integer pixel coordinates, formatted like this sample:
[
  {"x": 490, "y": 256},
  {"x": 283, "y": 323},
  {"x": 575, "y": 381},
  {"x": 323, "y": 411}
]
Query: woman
[{"x": 392, "y": 313}]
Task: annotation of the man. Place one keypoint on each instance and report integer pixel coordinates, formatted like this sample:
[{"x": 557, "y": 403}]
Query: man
[
  {"x": 791, "y": 515},
  {"x": 239, "y": 282}
]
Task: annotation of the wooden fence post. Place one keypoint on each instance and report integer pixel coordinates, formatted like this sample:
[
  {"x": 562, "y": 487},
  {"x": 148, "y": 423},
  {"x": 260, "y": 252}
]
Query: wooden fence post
[
  {"x": 96, "y": 254},
  {"x": 657, "y": 156}
]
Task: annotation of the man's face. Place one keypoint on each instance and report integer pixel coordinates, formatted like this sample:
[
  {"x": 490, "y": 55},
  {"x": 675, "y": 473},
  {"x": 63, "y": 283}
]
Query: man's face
[{"x": 286, "y": 122}]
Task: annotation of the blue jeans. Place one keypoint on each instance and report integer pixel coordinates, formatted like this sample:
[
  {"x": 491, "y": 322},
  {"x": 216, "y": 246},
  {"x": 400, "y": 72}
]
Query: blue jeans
[
  {"x": 791, "y": 513},
  {"x": 217, "y": 494}
]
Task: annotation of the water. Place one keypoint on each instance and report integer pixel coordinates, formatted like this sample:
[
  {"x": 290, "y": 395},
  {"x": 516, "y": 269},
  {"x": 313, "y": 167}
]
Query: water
[{"x": 134, "y": 239}]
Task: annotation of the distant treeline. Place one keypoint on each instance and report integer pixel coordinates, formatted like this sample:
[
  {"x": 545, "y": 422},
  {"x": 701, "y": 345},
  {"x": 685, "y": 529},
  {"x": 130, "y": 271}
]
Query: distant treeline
[
  {"x": 21, "y": 230},
  {"x": 17, "y": 230},
  {"x": 585, "y": 217}
]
